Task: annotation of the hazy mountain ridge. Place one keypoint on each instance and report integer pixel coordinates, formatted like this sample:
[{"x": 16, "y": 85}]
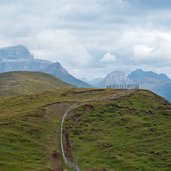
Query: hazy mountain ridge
[
  {"x": 18, "y": 58},
  {"x": 115, "y": 77},
  {"x": 16, "y": 52},
  {"x": 148, "y": 77},
  {"x": 58, "y": 71},
  {"x": 158, "y": 83}
]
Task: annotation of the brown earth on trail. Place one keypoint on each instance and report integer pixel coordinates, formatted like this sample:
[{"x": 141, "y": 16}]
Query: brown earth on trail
[
  {"x": 57, "y": 163},
  {"x": 56, "y": 111},
  {"x": 74, "y": 119},
  {"x": 68, "y": 147},
  {"x": 97, "y": 170},
  {"x": 57, "y": 108},
  {"x": 89, "y": 90}
]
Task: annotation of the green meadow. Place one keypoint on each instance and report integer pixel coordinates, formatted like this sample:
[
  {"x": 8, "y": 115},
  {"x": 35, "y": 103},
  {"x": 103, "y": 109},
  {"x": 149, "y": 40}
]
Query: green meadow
[{"x": 131, "y": 133}]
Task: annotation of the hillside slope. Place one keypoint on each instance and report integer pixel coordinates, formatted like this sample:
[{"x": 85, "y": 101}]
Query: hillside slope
[
  {"x": 30, "y": 126},
  {"x": 22, "y": 82},
  {"x": 132, "y": 132}
]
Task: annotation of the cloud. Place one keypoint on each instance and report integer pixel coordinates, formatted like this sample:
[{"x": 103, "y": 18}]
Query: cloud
[
  {"x": 142, "y": 52},
  {"x": 60, "y": 45},
  {"x": 77, "y": 33},
  {"x": 108, "y": 58},
  {"x": 153, "y": 48}
]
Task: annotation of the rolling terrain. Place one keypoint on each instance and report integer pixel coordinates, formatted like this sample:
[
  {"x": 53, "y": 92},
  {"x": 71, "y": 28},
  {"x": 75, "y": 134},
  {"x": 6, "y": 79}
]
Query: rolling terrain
[
  {"x": 124, "y": 134},
  {"x": 23, "y": 82},
  {"x": 30, "y": 125},
  {"x": 112, "y": 130}
]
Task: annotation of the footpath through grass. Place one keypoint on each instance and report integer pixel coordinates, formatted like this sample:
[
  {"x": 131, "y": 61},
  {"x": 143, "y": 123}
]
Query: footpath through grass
[
  {"x": 128, "y": 134},
  {"x": 29, "y": 128}
]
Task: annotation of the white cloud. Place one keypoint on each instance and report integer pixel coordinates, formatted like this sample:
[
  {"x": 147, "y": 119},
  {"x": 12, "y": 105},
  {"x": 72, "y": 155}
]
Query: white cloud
[
  {"x": 108, "y": 58},
  {"x": 142, "y": 52},
  {"x": 77, "y": 33},
  {"x": 153, "y": 48},
  {"x": 60, "y": 45}
]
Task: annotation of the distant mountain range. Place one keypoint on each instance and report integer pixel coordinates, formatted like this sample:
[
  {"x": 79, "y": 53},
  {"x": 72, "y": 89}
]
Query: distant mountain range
[
  {"x": 115, "y": 77},
  {"x": 18, "y": 58},
  {"x": 158, "y": 83}
]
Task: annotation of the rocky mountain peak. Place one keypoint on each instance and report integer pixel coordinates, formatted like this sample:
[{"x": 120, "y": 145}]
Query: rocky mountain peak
[
  {"x": 139, "y": 73},
  {"x": 115, "y": 77},
  {"x": 56, "y": 67},
  {"x": 18, "y": 52}
]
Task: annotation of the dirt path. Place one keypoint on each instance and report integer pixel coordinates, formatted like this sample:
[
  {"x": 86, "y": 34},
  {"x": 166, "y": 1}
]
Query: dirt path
[
  {"x": 67, "y": 152},
  {"x": 55, "y": 155},
  {"x": 69, "y": 161},
  {"x": 67, "y": 131},
  {"x": 55, "y": 111}
]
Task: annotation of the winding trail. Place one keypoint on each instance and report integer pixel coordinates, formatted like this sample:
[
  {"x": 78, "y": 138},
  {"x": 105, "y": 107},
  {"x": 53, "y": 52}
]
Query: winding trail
[{"x": 69, "y": 163}]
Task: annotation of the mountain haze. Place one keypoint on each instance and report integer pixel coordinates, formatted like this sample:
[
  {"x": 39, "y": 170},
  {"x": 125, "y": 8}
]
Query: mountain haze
[
  {"x": 158, "y": 83},
  {"x": 18, "y": 58},
  {"x": 115, "y": 77},
  {"x": 58, "y": 71},
  {"x": 148, "y": 78},
  {"x": 16, "y": 52}
]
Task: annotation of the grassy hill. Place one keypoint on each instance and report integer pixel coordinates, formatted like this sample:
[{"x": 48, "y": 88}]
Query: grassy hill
[
  {"x": 115, "y": 130},
  {"x": 130, "y": 133},
  {"x": 22, "y": 82},
  {"x": 29, "y": 128}
]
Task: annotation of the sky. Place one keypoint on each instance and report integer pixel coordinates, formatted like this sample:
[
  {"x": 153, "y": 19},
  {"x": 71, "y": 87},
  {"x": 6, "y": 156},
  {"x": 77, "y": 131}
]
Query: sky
[{"x": 91, "y": 37}]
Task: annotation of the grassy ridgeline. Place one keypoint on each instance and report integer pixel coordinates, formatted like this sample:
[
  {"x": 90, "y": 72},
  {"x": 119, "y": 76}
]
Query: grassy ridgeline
[
  {"x": 131, "y": 133},
  {"x": 126, "y": 134},
  {"x": 23, "y": 82},
  {"x": 29, "y": 128}
]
